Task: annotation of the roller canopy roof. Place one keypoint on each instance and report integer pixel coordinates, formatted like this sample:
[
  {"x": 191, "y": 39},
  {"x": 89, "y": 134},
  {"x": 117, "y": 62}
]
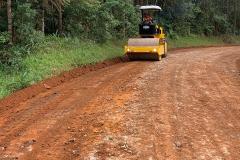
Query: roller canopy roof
[{"x": 153, "y": 7}]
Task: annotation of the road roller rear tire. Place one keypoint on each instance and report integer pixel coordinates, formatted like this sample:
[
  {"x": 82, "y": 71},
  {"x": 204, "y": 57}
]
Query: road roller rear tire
[
  {"x": 165, "y": 53},
  {"x": 159, "y": 58}
]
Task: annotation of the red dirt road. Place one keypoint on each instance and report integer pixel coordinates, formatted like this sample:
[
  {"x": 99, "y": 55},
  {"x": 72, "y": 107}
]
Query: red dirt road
[{"x": 185, "y": 107}]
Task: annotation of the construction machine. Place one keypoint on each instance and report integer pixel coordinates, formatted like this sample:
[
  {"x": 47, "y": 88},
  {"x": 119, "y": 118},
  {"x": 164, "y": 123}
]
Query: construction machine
[{"x": 151, "y": 44}]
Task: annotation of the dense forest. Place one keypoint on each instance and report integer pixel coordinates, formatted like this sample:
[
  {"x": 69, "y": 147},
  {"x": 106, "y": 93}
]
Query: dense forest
[
  {"x": 208, "y": 17},
  {"x": 25, "y": 21}
]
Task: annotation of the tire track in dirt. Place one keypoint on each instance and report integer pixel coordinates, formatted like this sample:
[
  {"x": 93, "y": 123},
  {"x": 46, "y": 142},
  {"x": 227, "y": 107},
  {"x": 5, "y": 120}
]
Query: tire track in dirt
[
  {"x": 184, "y": 107},
  {"x": 75, "y": 103},
  {"x": 203, "y": 81}
]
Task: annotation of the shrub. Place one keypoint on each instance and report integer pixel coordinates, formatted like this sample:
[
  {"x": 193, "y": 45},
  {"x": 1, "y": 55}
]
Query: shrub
[
  {"x": 4, "y": 38},
  {"x": 228, "y": 39},
  {"x": 26, "y": 35}
]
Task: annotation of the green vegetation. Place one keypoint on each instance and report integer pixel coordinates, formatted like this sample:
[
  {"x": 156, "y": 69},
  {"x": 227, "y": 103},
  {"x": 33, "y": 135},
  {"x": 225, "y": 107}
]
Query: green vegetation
[
  {"x": 55, "y": 56},
  {"x": 195, "y": 40},
  {"x": 191, "y": 41},
  {"x": 202, "y": 17}
]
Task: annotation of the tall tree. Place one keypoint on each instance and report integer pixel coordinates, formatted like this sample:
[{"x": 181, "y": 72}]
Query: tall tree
[
  {"x": 44, "y": 6},
  {"x": 9, "y": 17},
  {"x": 59, "y": 5},
  {"x": 235, "y": 17}
]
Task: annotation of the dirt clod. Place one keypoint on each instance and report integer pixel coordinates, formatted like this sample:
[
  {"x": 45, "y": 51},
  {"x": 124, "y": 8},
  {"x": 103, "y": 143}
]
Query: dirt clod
[
  {"x": 3, "y": 148},
  {"x": 47, "y": 86},
  {"x": 75, "y": 152},
  {"x": 178, "y": 144}
]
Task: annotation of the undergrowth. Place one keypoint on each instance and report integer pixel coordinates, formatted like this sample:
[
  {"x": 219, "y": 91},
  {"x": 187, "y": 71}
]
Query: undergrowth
[{"x": 51, "y": 58}]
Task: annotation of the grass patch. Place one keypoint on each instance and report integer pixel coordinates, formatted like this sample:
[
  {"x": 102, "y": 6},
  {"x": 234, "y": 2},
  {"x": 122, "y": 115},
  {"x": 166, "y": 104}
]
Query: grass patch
[
  {"x": 236, "y": 39},
  {"x": 195, "y": 40},
  {"x": 54, "y": 57}
]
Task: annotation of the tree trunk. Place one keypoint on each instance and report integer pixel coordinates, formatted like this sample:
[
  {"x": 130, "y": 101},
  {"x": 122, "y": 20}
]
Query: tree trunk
[
  {"x": 43, "y": 21},
  {"x": 9, "y": 17},
  {"x": 60, "y": 21},
  {"x": 235, "y": 18}
]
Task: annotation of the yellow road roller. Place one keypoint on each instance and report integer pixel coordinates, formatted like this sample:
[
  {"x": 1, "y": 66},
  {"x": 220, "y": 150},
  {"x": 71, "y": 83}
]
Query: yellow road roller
[{"x": 151, "y": 43}]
